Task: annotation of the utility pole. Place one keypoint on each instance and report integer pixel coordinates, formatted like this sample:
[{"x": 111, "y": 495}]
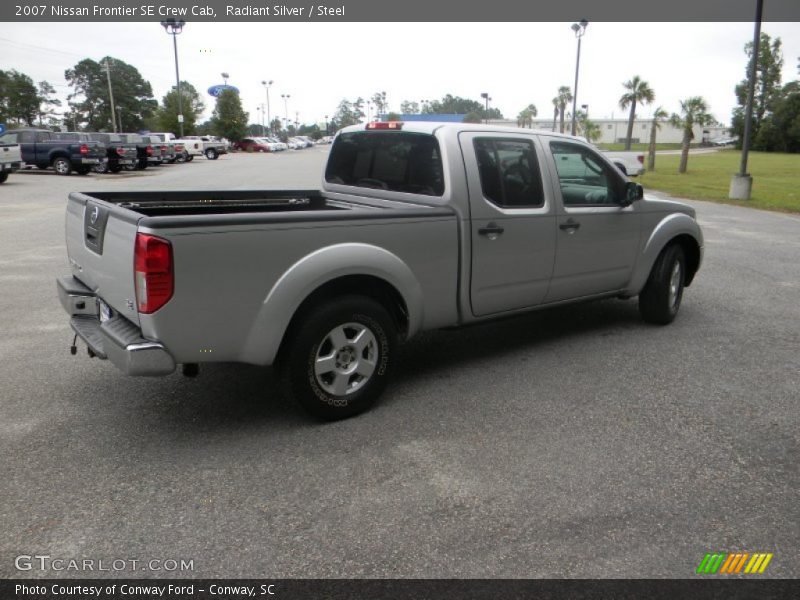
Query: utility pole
[
  {"x": 107, "y": 69},
  {"x": 580, "y": 30}
]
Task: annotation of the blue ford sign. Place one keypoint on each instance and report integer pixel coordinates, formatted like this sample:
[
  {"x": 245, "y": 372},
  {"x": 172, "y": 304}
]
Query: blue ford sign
[
  {"x": 2, "y": 129},
  {"x": 216, "y": 90}
]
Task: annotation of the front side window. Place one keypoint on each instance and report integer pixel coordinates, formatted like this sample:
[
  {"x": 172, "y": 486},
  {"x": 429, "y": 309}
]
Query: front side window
[
  {"x": 394, "y": 161},
  {"x": 509, "y": 172},
  {"x": 584, "y": 177}
]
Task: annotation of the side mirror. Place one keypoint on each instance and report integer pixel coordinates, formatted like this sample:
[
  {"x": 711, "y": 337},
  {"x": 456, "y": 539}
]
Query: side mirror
[{"x": 633, "y": 192}]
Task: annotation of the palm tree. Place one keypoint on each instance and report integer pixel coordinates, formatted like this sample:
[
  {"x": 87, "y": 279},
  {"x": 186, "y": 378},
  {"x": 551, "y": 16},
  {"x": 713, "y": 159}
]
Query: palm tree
[
  {"x": 527, "y": 115},
  {"x": 659, "y": 114},
  {"x": 564, "y": 98},
  {"x": 556, "y": 110},
  {"x": 694, "y": 111},
  {"x": 639, "y": 91}
]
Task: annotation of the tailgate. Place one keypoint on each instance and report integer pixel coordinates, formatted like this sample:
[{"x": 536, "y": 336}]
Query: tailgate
[
  {"x": 10, "y": 153},
  {"x": 100, "y": 245}
]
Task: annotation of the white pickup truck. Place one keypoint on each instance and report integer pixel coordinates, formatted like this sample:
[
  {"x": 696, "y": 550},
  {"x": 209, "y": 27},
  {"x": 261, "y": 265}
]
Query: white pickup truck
[
  {"x": 417, "y": 226},
  {"x": 10, "y": 160},
  {"x": 199, "y": 145}
]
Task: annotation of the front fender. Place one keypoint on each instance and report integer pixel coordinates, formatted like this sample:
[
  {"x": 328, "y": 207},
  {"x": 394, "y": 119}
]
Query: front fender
[
  {"x": 667, "y": 229},
  {"x": 311, "y": 272}
]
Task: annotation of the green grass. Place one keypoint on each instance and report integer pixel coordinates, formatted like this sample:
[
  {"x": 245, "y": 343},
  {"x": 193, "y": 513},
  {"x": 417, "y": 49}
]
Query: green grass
[
  {"x": 640, "y": 147},
  {"x": 776, "y": 178}
]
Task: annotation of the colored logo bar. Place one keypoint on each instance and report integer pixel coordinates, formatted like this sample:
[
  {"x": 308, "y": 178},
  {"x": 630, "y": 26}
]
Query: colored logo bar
[{"x": 733, "y": 563}]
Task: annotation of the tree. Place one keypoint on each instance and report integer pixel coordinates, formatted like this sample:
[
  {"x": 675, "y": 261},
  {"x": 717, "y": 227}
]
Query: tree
[
  {"x": 455, "y": 105},
  {"x": 659, "y": 114},
  {"x": 564, "y": 98},
  {"x": 192, "y": 104},
  {"x": 639, "y": 92},
  {"x": 767, "y": 87},
  {"x": 556, "y": 111},
  {"x": 780, "y": 131},
  {"x": 589, "y": 129},
  {"x": 19, "y": 98},
  {"x": 348, "y": 113},
  {"x": 379, "y": 100},
  {"x": 694, "y": 111},
  {"x": 409, "y": 108},
  {"x": 526, "y": 116},
  {"x": 473, "y": 117},
  {"x": 90, "y": 101},
  {"x": 229, "y": 119},
  {"x": 275, "y": 126},
  {"x": 47, "y": 102}
]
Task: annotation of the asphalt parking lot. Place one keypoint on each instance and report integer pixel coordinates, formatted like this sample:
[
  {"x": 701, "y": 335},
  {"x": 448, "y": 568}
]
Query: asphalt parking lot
[{"x": 574, "y": 442}]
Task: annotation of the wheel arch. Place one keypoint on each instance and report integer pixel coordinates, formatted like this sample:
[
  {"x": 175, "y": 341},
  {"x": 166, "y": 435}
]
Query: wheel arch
[{"x": 342, "y": 269}]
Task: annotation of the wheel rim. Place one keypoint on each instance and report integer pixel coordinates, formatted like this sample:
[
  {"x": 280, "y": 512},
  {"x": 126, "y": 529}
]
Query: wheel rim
[
  {"x": 61, "y": 166},
  {"x": 675, "y": 284},
  {"x": 346, "y": 359}
]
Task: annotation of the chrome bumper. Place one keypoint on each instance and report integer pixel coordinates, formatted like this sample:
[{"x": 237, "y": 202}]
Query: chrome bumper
[{"x": 115, "y": 339}]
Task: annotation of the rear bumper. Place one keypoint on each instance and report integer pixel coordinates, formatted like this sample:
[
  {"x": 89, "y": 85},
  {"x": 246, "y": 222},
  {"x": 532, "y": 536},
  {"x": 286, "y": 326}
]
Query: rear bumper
[
  {"x": 11, "y": 166},
  {"x": 115, "y": 339}
]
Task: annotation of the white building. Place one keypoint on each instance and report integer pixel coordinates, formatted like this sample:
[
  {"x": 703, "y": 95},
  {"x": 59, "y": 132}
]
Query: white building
[{"x": 615, "y": 130}]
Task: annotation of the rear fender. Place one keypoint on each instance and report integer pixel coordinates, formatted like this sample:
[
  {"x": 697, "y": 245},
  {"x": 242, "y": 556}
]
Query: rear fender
[{"x": 315, "y": 270}]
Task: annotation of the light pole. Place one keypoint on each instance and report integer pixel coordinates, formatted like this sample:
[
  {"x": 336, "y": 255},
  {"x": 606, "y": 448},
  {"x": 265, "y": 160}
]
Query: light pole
[
  {"x": 286, "y": 107},
  {"x": 585, "y": 108},
  {"x": 580, "y": 30},
  {"x": 742, "y": 182},
  {"x": 174, "y": 28},
  {"x": 486, "y": 97},
  {"x": 267, "y": 85},
  {"x": 119, "y": 116},
  {"x": 326, "y": 125}
]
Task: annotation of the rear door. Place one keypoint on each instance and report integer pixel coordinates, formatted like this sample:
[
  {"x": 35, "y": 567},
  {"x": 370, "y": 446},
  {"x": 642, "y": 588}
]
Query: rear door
[
  {"x": 597, "y": 237},
  {"x": 512, "y": 224},
  {"x": 100, "y": 245}
]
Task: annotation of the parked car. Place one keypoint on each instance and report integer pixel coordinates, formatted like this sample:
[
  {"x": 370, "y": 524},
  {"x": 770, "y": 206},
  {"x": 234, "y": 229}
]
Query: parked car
[
  {"x": 252, "y": 145},
  {"x": 144, "y": 149},
  {"x": 279, "y": 145},
  {"x": 199, "y": 145},
  {"x": 120, "y": 154},
  {"x": 417, "y": 226},
  {"x": 10, "y": 157},
  {"x": 43, "y": 148},
  {"x": 630, "y": 163}
]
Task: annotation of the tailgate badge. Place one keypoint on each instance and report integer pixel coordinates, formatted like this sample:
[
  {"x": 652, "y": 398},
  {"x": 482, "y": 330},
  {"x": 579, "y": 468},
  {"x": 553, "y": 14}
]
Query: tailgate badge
[{"x": 94, "y": 215}]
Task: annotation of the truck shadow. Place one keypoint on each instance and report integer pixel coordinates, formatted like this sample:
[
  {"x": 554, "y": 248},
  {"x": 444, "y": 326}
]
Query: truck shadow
[{"x": 231, "y": 395}]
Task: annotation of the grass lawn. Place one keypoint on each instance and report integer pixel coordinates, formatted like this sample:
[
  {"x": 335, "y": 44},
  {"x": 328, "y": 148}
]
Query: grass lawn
[{"x": 776, "y": 178}]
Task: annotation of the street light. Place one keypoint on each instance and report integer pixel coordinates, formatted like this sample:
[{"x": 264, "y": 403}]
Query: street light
[
  {"x": 286, "y": 107},
  {"x": 225, "y": 77},
  {"x": 326, "y": 125},
  {"x": 486, "y": 97},
  {"x": 580, "y": 30},
  {"x": 174, "y": 28},
  {"x": 267, "y": 85},
  {"x": 119, "y": 116}
]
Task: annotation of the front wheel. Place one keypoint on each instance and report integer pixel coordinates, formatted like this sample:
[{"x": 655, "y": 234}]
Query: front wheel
[
  {"x": 339, "y": 357},
  {"x": 212, "y": 154},
  {"x": 660, "y": 299}
]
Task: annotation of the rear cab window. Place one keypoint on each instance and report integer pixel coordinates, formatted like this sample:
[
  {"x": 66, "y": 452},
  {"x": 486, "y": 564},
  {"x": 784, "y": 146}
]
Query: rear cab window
[{"x": 387, "y": 160}]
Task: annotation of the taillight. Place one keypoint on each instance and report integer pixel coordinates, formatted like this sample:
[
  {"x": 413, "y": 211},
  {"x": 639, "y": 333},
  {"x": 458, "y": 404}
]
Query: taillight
[
  {"x": 163, "y": 150},
  {"x": 84, "y": 149},
  {"x": 153, "y": 273},
  {"x": 385, "y": 125},
  {"x": 640, "y": 158},
  {"x": 178, "y": 147},
  {"x": 149, "y": 150},
  {"x": 120, "y": 150}
]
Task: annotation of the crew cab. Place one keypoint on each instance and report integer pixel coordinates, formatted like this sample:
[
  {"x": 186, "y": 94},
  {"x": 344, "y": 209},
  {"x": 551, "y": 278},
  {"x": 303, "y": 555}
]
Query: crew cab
[
  {"x": 43, "y": 148},
  {"x": 10, "y": 157},
  {"x": 144, "y": 149},
  {"x": 417, "y": 226}
]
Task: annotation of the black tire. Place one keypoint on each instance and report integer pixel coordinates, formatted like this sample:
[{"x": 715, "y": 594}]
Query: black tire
[
  {"x": 189, "y": 157},
  {"x": 660, "y": 299},
  {"x": 181, "y": 158},
  {"x": 350, "y": 316},
  {"x": 3, "y": 176},
  {"x": 212, "y": 154},
  {"x": 62, "y": 165},
  {"x": 100, "y": 168},
  {"x": 83, "y": 170},
  {"x": 115, "y": 168}
]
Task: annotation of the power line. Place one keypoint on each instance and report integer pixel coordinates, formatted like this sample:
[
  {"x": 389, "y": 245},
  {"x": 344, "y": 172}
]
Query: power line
[{"x": 39, "y": 48}]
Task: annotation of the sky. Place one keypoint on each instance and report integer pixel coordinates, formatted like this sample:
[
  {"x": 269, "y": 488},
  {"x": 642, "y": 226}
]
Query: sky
[{"x": 318, "y": 64}]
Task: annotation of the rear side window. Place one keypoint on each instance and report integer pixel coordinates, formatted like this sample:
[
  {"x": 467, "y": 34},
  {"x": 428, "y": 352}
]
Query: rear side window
[
  {"x": 395, "y": 161},
  {"x": 509, "y": 172}
]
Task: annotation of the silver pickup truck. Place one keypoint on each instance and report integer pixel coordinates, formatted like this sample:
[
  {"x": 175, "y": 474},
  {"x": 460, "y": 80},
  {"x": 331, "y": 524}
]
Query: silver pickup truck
[{"x": 417, "y": 226}]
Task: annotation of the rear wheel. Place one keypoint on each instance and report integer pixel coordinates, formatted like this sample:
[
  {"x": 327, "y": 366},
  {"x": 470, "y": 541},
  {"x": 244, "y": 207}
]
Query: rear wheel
[
  {"x": 189, "y": 157},
  {"x": 100, "y": 168},
  {"x": 3, "y": 176},
  {"x": 339, "y": 357},
  {"x": 62, "y": 165},
  {"x": 660, "y": 299},
  {"x": 83, "y": 170},
  {"x": 212, "y": 154}
]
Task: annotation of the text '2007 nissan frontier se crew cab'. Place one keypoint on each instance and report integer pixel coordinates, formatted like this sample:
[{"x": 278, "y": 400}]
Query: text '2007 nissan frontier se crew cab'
[{"x": 417, "y": 226}]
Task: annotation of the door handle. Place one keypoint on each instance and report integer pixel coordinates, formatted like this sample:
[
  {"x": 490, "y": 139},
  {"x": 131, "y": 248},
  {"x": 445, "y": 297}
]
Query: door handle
[
  {"x": 571, "y": 225},
  {"x": 492, "y": 230}
]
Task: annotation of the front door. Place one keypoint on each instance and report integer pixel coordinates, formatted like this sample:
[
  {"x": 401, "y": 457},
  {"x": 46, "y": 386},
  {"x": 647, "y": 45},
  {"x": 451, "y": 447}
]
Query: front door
[
  {"x": 512, "y": 224},
  {"x": 598, "y": 237}
]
